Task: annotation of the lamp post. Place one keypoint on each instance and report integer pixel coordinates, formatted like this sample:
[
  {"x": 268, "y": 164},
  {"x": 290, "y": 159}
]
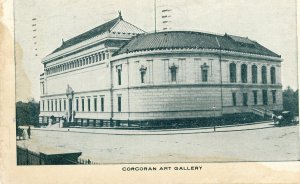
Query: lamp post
[{"x": 214, "y": 108}]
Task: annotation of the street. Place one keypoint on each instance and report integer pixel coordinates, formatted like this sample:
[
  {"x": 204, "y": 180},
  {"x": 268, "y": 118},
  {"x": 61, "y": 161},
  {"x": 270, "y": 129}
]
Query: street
[{"x": 257, "y": 142}]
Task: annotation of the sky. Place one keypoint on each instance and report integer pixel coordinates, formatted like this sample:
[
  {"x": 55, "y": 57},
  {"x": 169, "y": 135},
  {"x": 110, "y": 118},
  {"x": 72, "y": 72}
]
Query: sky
[{"x": 272, "y": 23}]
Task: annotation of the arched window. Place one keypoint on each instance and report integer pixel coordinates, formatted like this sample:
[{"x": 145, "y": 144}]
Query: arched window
[
  {"x": 273, "y": 75},
  {"x": 254, "y": 74},
  {"x": 264, "y": 74},
  {"x": 244, "y": 73},
  {"x": 232, "y": 72}
]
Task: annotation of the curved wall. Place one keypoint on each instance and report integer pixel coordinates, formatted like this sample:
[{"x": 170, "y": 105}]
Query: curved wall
[{"x": 190, "y": 95}]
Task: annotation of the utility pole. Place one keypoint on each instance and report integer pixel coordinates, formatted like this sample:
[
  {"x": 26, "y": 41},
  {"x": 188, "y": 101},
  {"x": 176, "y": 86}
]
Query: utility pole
[{"x": 155, "y": 16}]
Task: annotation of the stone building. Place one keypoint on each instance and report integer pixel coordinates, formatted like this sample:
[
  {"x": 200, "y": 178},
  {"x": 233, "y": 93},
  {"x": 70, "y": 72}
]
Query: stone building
[{"x": 118, "y": 75}]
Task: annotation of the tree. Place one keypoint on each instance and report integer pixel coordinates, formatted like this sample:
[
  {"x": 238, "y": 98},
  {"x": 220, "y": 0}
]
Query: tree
[
  {"x": 27, "y": 113},
  {"x": 290, "y": 100}
]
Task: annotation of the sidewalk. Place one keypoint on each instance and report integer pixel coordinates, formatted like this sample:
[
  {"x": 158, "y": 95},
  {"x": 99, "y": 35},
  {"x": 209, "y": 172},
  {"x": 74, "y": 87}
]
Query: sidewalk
[{"x": 116, "y": 131}]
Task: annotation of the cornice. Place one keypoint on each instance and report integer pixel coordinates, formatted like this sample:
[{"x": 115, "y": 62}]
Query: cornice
[{"x": 194, "y": 51}]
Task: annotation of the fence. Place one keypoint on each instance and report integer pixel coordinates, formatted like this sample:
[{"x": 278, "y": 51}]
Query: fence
[
  {"x": 27, "y": 157},
  {"x": 86, "y": 162}
]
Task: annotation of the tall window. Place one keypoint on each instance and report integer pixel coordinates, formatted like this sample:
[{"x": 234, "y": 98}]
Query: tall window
[
  {"x": 245, "y": 99},
  {"x": 173, "y": 70},
  {"x": 100, "y": 56},
  {"x": 65, "y": 104},
  {"x": 265, "y": 97},
  {"x": 48, "y": 104},
  {"x": 119, "y": 70},
  {"x": 255, "y": 97},
  {"x": 60, "y": 105},
  {"x": 95, "y": 104},
  {"x": 143, "y": 72},
  {"x": 204, "y": 72},
  {"x": 55, "y": 105},
  {"x": 89, "y": 104},
  {"x": 254, "y": 74},
  {"x": 273, "y": 75},
  {"x": 82, "y": 104},
  {"x": 77, "y": 104},
  {"x": 234, "y": 99},
  {"x": 274, "y": 96},
  {"x": 43, "y": 105},
  {"x": 232, "y": 72},
  {"x": 119, "y": 103},
  {"x": 244, "y": 73},
  {"x": 51, "y": 105},
  {"x": 102, "y": 104},
  {"x": 264, "y": 74}
]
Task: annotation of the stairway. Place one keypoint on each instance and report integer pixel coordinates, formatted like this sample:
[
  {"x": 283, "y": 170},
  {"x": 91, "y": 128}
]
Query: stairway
[{"x": 262, "y": 111}]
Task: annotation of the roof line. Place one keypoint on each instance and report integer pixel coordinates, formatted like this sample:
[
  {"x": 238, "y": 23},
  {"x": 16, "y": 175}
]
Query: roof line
[
  {"x": 134, "y": 26},
  {"x": 115, "y": 25}
]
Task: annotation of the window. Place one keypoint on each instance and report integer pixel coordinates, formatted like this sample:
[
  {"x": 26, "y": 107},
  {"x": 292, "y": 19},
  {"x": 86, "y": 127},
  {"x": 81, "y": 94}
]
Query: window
[
  {"x": 234, "y": 99},
  {"x": 82, "y": 104},
  {"x": 265, "y": 97},
  {"x": 254, "y": 74},
  {"x": 77, "y": 104},
  {"x": 264, "y": 75},
  {"x": 95, "y": 104},
  {"x": 173, "y": 69},
  {"x": 51, "y": 105},
  {"x": 103, "y": 56},
  {"x": 55, "y": 105},
  {"x": 119, "y": 70},
  {"x": 274, "y": 96},
  {"x": 204, "y": 75},
  {"x": 255, "y": 97},
  {"x": 102, "y": 104},
  {"x": 204, "y": 72},
  {"x": 60, "y": 105},
  {"x": 89, "y": 104},
  {"x": 119, "y": 103},
  {"x": 232, "y": 68},
  {"x": 245, "y": 99},
  {"x": 273, "y": 75},
  {"x": 143, "y": 72},
  {"x": 48, "y": 103},
  {"x": 65, "y": 104},
  {"x": 244, "y": 73},
  {"x": 43, "y": 104},
  {"x": 142, "y": 77}
]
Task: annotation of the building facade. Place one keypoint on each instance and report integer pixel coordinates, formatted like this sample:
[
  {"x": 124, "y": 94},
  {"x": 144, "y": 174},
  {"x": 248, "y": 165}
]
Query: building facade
[{"x": 118, "y": 75}]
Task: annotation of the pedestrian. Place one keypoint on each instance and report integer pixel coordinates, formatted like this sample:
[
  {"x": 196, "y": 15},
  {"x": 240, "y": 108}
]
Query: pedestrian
[{"x": 29, "y": 132}]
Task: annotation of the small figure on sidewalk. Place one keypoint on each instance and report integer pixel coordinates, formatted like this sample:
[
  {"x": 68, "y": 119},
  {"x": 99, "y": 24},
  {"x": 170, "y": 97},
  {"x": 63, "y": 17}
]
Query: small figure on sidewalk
[{"x": 29, "y": 132}]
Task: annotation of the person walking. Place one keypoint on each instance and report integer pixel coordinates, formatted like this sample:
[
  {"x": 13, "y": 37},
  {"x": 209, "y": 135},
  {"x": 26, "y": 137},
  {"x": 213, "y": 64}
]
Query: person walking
[{"x": 29, "y": 132}]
